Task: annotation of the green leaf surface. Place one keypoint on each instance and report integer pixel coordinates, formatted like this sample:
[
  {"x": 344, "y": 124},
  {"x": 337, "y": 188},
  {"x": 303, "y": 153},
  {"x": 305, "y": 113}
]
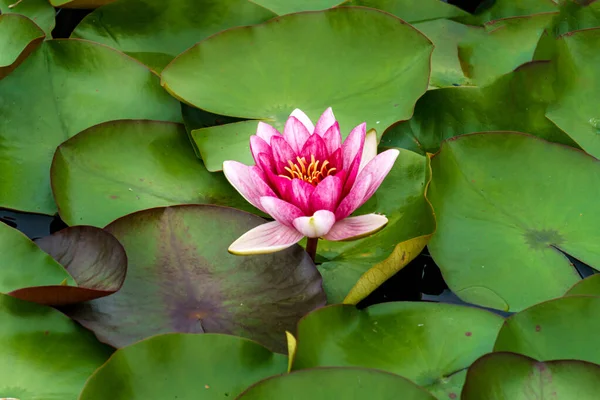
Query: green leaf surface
[
  {"x": 39, "y": 11},
  {"x": 563, "y": 328},
  {"x": 428, "y": 343},
  {"x": 588, "y": 286},
  {"x": 18, "y": 37},
  {"x": 411, "y": 11},
  {"x": 180, "y": 278},
  {"x": 401, "y": 199},
  {"x": 507, "y": 205},
  {"x": 80, "y": 3},
  {"x": 576, "y": 15},
  {"x": 508, "y": 9},
  {"x": 281, "y": 7},
  {"x": 96, "y": 180},
  {"x": 578, "y": 85},
  {"x": 523, "y": 96},
  {"x": 500, "y": 376},
  {"x": 44, "y": 354},
  {"x": 155, "y": 31},
  {"x": 369, "y": 66},
  {"x": 336, "y": 383},
  {"x": 184, "y": 367},
  {"x": 62, "y": 88}
]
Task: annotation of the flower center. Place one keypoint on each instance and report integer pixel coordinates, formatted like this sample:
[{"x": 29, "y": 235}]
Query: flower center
[{"x": 312, "y": 173}]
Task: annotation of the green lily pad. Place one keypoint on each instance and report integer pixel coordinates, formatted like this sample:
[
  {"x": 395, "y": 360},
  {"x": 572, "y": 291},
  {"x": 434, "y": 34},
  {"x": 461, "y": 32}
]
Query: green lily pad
[
  {"x": 503, "y": 200},
  {"x": 44, "y": 354},
  {"x": 19, "y": 36},
  {"x": 386, "y": 60},
  {"x": 155, "y": 31},
  {"x": 336, "y": 383},
  {"x": 428, "y": 343},
  {"x": 281, "y": 7},
  {"x": 563, "y": 328},
  {"x": 180, "y": 278},
  {"x": 413, "y": 12},
  {"x": 500, "y": 376},
  {"x": 523, "y": 96},
  {"x": 95, "y": 181},
  {"x": 589, "y": 286},
  {"x": 508, "y": 9},
  {"x": 80, "y": 3},
  {"x": 62, "y": 88},
  {"x": 577, "y": 15},
  {"x": 576, "y": 111},
  {"x": 184, "y": 367},
  {"x": 73, "y": 265},
  {"x": 39, "y": 11},
  {"x": 358, "y": 267}
]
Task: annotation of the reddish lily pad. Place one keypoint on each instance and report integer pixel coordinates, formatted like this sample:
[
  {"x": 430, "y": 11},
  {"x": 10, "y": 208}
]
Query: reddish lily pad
[
  {"x": 19, "y": 36},
  {"x": 502, "y": 376},
  {"x": 336, "y": 383},
  {"x": 183, "y": 367},
  {"x": 182, "y": 279}
]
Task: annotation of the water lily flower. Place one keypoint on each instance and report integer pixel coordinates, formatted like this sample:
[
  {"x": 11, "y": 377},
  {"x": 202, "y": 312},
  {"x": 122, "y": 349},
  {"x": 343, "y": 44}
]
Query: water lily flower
[{"x": 309, "y": 182}]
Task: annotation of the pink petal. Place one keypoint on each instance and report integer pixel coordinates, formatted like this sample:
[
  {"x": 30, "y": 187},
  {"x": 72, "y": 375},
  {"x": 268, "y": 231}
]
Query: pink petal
[
  {"x": 265, "y": 238},
  {"x": 353, "y": 228},
  {"x": 282, "y": 211},
  {"x": 301, "y": 192},
  {"x": 333, "y": 138},
  {"x": 354, "y": 199},
  {"x": 326, "y": 120},
  {"x": 266, "y": 132},
  {"x": 283, "y": 186},
  {"x": 369, "y": 149},
  {"x": 258, "y": 146},
  {"x": 335, "y": 161},
  {"x": 352, "y": 173},
  {"x": 353, "y": 145},
  {"x": 378, "y": 168},
  {"x": 295, "y": 133},
  {"x": 247, "y": 180},
  {"x": 327, "y": 194},
  {"x": 316, "y": 226},
  {"x": 299, "y": 114},
  {"x": 282, "y": 153},
  {"x": 314, "y": 146}
]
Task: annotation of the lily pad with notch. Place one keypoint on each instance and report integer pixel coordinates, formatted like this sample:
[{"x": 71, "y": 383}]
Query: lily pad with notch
[
  {"x": 38, "y": 11},
  {"x": 19, "y": 36}
]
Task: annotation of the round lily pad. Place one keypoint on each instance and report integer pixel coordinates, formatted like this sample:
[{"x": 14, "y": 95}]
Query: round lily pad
[
  {"x": 563, "y": 328},
  {"x": 155, "y": 31},
  {"x": 184, "y": 367},
  {"x": 501, "y": 376},
  {"x": 507, "y": 206},
  {"x": 180, "y": 278},
  {"x": 413, "y": 12},
  {"x": 336, "y": 383},
  {"x": 18, "y": 37},
  {"x": 282, "y": 7},
  {"x": 39, "y": 11},
  {"x": 523, "y": 95},
  {"x": 80, "y": 3},
  {"x": 95, "y": 181},
  {"x": 62, "y": 88},
  {"x": 428, "y": 343},
  {"x": 589, "y": 286},
  {"x": 304, "y": 61},
  {"x": 44, "y": 354}
]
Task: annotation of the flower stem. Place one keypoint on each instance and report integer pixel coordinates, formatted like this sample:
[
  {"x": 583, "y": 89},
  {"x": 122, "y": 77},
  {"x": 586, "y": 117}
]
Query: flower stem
[{"x": 311, "y": 247}]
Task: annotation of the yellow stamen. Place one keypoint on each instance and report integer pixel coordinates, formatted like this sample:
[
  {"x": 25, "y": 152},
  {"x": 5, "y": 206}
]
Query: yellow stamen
[{"x": 310, "y": 173}]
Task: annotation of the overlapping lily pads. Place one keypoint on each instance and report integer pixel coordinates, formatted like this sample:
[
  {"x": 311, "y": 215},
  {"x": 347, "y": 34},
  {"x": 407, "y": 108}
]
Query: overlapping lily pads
[
  {"x": 39, "y": 11},
  {"x": 80, "y": 3},
  {"x": 430, "y": 343},
  {"x": 18, "y": 37},
  {"x": 182, "y": 279},
  {"x": 62, "y": 88},
  {"x": 589, "y": 286},
  {"x": 96, "y": 180},
  {"x": 183, "y": 367},
  {"x": 523, "y": 96},
  {"x": 352, "y": 270},
  {"x": 413, "y": 12},
  {"x": 563, "y": 328},
  {"x": 155, "y": 32},
  {"x": 282, "y": 7},
  {"x": 44, "y": 354},
  {"x": 500, "y": 376},
  {"x": 509, "y": 8},
  {"x": 577, "y": 15},
  {"x": 303, "y": 61},
  {"x": 332, "y": 383},
  {"x": 507, "y": 205}
]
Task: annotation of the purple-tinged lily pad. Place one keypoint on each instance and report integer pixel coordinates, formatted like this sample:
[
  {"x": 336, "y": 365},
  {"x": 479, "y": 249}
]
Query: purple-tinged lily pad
[{"x": 182, "y": 279}]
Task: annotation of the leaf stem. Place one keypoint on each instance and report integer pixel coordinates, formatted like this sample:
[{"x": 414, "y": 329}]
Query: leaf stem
[{"x": 311, "y": 247}]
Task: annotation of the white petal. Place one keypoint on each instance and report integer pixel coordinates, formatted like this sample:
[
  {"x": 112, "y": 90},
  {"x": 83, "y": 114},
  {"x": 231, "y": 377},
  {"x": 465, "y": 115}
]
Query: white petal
[
  {"x": 316, "y": 226},
  {"x": 353, "y": 228},
  {"x": 369, "y": 149},
  {"x": 266, "y": 238}
]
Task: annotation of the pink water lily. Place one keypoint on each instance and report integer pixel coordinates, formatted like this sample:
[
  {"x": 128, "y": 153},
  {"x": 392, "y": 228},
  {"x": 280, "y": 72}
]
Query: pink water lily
[{"x": 309, "y": 182}]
